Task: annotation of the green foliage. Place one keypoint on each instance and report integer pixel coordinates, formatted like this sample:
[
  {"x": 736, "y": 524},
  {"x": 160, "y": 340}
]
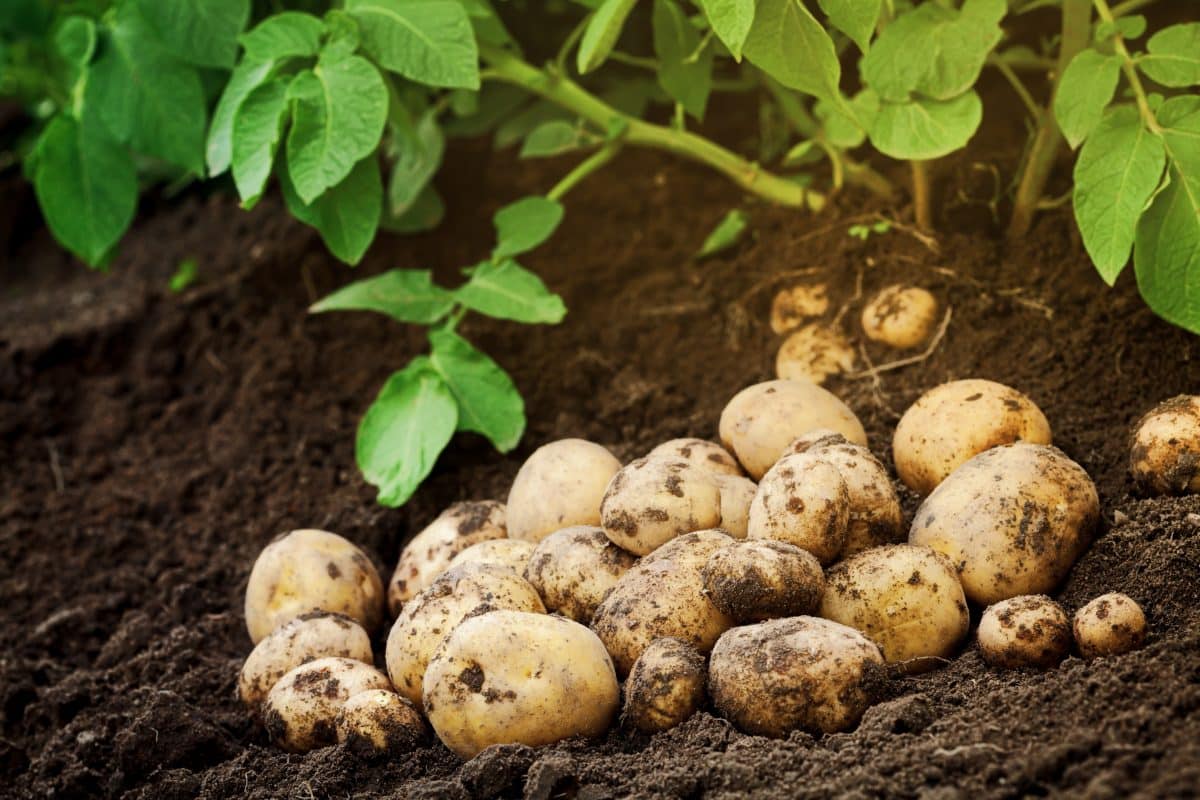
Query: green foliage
[
  {"x": 1173, "y": 56},
  {"x": 185, "y": 275},
  {"x": 726, "y": 234},
  {"x": 685, "y": 67},
  {"x": 601, "y": 34},
  {"x": 731, "y": 21},
  {"x": 864, "y": 232},
  {"x": 525, "y": 224},
  {"x": 1086, "y": 88},
  {"x": 428, "y": 41}
]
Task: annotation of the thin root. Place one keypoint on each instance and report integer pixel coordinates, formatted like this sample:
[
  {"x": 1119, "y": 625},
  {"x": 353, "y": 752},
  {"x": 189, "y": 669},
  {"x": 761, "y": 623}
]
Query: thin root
[{"x": 904, "y": 362}]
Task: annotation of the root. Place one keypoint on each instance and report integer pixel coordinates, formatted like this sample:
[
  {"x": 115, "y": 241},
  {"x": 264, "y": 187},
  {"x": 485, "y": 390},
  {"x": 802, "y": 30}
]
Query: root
[{"x": 873, "y": 372}]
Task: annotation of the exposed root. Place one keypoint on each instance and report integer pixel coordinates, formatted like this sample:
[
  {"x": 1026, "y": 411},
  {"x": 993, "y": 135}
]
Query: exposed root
[{"x": 873, "y": 372}]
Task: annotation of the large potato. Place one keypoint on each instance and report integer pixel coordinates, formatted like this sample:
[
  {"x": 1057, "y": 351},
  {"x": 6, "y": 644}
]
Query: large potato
[
  {"x": 1111, "y": 624},
  {"x": 651, "y": 501},
  {"x": 561, "y": 484},
  {"x": 665, "y": 686},
  {"x": 513, "y": 677},
  {"x": 574, "y": 570},
  {"x": 737, "y": 494},
  {"x": 307, "y": 637},
  {"x": 1164, "y": 455},
  {"x": 900, "y": 316},
  {"x": 511, "y": 553},
  {"x": 699, "y": 453},
  {"x": 1024, "y": 631},
  {"x": 956, "y": 421},
  {"x": 760, "y": 421},
  {"x": 755, "y": 580},
  {"x": 300, "y": 712},
  {"x": 802, "y": 500},
  {"x": 1012, "y": 520},
  {"x": 309, "y": 570}
]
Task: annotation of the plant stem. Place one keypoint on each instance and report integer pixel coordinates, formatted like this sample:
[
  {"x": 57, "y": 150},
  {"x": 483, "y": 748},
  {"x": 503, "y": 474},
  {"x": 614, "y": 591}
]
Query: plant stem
[
  {"x": 641, "y": 62},
  {"x": 922, "y": 205},
  {"x": 1014, "y": 80},
  {"x": 1129, "y": 6},
  {"x": 584, "y": 168},
  {"x": 1135, "y": 82}
]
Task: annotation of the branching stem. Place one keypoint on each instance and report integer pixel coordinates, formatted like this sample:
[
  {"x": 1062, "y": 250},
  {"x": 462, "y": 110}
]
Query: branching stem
[
  {"x": 1131, "y": 74},
  {"x": 586, "y": 167}
]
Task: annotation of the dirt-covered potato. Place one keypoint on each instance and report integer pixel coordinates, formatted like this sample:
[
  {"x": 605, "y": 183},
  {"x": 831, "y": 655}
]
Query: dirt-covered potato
[
  {"x": 1029, "y": 630},
  {"x": 799, "y": 672},
  {"x": 804, "y": 501},
  {"x": 309, "y": 570},
  {"x": 793, "y": 305},
  {"x": 663, "y": 595},
  {"x": 1012, "y": 520},
  {"x": 300, "y": 712},
  {"x": 380, "y": 721},
  {"x": 956, "y": 421},
  {"x": 429, "y": 617},
  {"x": 813, "y": 353},
  {"x": 1109, "y": 625},
  {"x": 900, "y": 316},
  {"x": 665, "y": 686},
  {"x": 1164, "y": 453},
  {"x": 906, "y": 599},
  {"x": 737, "y": 494},
  {"x": 699, "y": 453},
  {"x": 756, "y": 580},
  {"x": 651, "y": 501},
  {"x": 429, "y": 553},
  {"x": 511, "y": 553},
  {"x": 514, "y": 677},
  {"x": 759, "y": 423},
  {"x": 561, "y": 484},
  {"x": 574, "y": 570},
  {"x": 308, "y": 637}
]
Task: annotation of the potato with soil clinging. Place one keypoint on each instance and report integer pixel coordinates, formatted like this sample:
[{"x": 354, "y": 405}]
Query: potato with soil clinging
[
  {"x": 956, "y": 421},
  {"x": 759, "y": 423},
  {"x": 794, "y": 305},
  {"x": 813, "y": 353},
  {"x": 802, "y": 500},
  {"x": 1164, "y": 454},
  {"x": 513, "y": 677},
  {"x": 799, "y": 672},
  {"x": 1012, "y": 520},
  {"x": 561, "y": 484},
  {"x": 308, "y": 637},
  {"x": 380, "y": 721},
  {"x": 310, "y": 570},
  {"x": 665, "y": 686},
  {"x": 663, "y": 595},
  {"x": 900, "y": 316},
  {"x": 699, "y": 453},
  {"x": 905, "y": 599},
  {"x": 649, "y": 502},
  {"x": 1110, "y": 625},
  {"x": 574, "y": 570},
  {"x": 1029, "y": 630},
  {"x": 737, "y": 494},
  {"x": 511, "y": 553},
  {"x": 300, "y": 712},
  {"x": 757, "y": 580}
]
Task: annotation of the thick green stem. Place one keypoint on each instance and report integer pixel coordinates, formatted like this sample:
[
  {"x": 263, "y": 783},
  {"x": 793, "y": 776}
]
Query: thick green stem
[
  {"x": 586, "y": 167},
  {"x": 922, "y": 202}
]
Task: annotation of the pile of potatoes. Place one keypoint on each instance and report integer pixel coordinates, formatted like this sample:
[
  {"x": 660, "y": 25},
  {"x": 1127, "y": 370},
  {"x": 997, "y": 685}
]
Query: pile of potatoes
[{"x": 770, "y": 577}]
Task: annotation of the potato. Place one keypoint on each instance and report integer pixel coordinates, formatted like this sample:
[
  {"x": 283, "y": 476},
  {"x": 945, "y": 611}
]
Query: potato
[
  {"x": 1164, "y": 455},
  {"x": 953, "y": 422},
  {"x": 574, "y": 570},
  {"x": 309, "y": 570},
  {"x": 561, "y": 484},
  {"x": 699, "y": 453},
  {"x": 662, "y": 595},
  {"x": 794, "y": 305},
  {"x": 737, "y": 494},
  {"x": 308, "y": 637},
  {"x": 649, "y": 502},
  {"x": 1012, "y": 520},
  {"x": 813, "y": 353},
  {"x": 760, "y": 421},
  {"x": 429, "y": 553},
  {"x": 757, "y": 580},
  {"x": 1110, "y": 625},
  {"x": 514, "y": 677},
  {"x": 1024, "y": 631},
  {"x": 906, "y": 599},
  {"x": 900, "y": 316},
  {"x": 802, "y": 500},
  {"x": 380, "y": 721},
  {"x": 510, "y": 553},
  {"x": 429, "y": 617},
  {"x": 665, "y": 686},
  {"x": 300, "y": 712},
  {"x": 799, "y": 672}
]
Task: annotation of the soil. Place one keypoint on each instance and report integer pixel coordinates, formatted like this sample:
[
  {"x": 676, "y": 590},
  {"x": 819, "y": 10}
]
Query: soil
[{"x": 152, "y": 443}]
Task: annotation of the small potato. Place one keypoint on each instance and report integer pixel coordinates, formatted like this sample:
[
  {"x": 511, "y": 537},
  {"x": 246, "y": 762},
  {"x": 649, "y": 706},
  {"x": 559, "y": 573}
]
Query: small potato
[
  {"x": 956, "y": 421},
  {"x": 429, "y": 617},
  {"x": 574, "y": 570},
  {"x": 1164, "y": 455},
  {"x": 699, "y": 453},
  {"x": 900, "y": 316},
  {"x": 802, "y": 500},
  {"x": 662, "y": 595},
  {"x": 1012, "y": 520},
  {"x": 429, "y": 553},
  {"x": 1029, "y": 630},
  {"x": 906, "y": 599},
  {"x": 1110, "y": 625},
  {"x": 794, "y": 305},
  {"x": 760, "y": 421},
  {"x": 649, "y": 502},
  {"x": 757, "y": 580},
  {"x": 665, "y": 686},
  {"x": 307, "y": 637},
  {"x": 510, "y": 553},
  {"x": 800, "y": 672},
  {"x": 300, "y": 712},
  {"x": 512, "y": 677},
  {"x": 736, "y": 496},
  {"x": 380, "y": 721},
  {"x": 561, "y": 484},
  {"x": 813, "y": 353},
  {"x": 309, "y": 570}
]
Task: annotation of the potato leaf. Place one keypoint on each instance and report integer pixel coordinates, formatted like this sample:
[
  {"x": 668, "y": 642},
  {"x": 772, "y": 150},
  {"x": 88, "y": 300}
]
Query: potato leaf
[
  {"x": 75, "y": 40},
  {"x": 525, "y": 224},
  {"x": 601, "y": 34},
  {"x": 418, "y": 152},
  {"x": 688, "y": 82},
  {"x": 1166, "y": 257},
  {"x": 924, "y": 129},
  {"x": 731, "y": 21},
  {"x": 855, "y": 18},
  {"x": 405, "y": 295},
  {"x": 488, "y": 401},
  {"x": 555, "y": 137},
  {"x": 424, "y": 214},
  {"x": 1130, "y": 27},
  {"x": 788, "y": 43},
  {"x": 346, "y": 215},
  {"x": 200, "y": 32},
  {"x": 257, "y": 127},
  {"x": 506, "y": 290},
  {"x": 1173, "y": 57},
  {"x": 728, "y": 232},
  {"x": 1085, "y": 89},
  {"x": 428, "y": 41},
  {"x": 843, "y": 131},
  {"x": 219, "y": 148},
  {"x": 288, "y": 34}
]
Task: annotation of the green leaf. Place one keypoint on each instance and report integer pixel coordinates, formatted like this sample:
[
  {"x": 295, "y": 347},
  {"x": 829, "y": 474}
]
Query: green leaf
[
  {"x": 185, "y": 275},
  {"x": 428, "y": 41},
  {"x": 423, "y": 214},
  {"x": 1180, "y": 121},
  {"x": 488, "y": 402},
  {"x": 731, "y": 20},
  {"x": 405, "y": 295},
  {"x": 1130, "y": 27},
  {"x": 487, "y": 23},
  {"x": 788, "y": 43},
  {"x": 289, "y": 34},
  {"x": 257, "y": 127},
  {"x": 1116, "y": 173},
  {"x": 506, "y": 290},
  {"x": 855, "y": 18},
  {"x": 346, "y": 215},
  {"x": 841, "y": 130},
  {"x": 75, "y": 40},
  {"x": 525, "y": 224},
  {"x": 342, "y": 36},
  {"x": 494, "y": 103},
  {"x": 245, "y": 78},
  {"x": 601, "y": 33},
  {"x": 1173, "y": 57},
  {"x": 556, "y": 137},
  {"x": 404, "y": 431},
  {"x": 1085, "y": 89},
  {"x": 200, "y": 32},
  {"x": 520, "y": 125},
  {"x": 418, "y": 155},
  {"x": 1166, "y": 257},
  {"x": 924, "y": 129},
  {"x": 675, "y": 40},
  {"x": 728, "y": 232}
]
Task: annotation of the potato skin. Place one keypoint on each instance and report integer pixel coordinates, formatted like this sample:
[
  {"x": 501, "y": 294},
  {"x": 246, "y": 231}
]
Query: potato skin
[
  {"x": 311, "y": 570},
  {"x": 1012, "y": 520},
  {"x": 1024, "y": 631},
  {"x": 510, "y": 553},
  {"x": 649, "y": 502},
  {"x": 756, "y": 580},
  {"x": 574, "y": 570},
  {"x": 1164, "y": 451},
  {"x": 510, "y": 676},
  {"x": 379, "y": 721},
  {"x": 699, "y": 453},
  {"x": 665, "y": 687},
  {"x": 1110, "y": 625},
  {"x": 813, "y": 353},
  {"x": 802, "y": 500},
  {"x": 900, "y": 316},
  {"x": 737, "y": 494},
  {"x": 308, "y": 637},
  {"x": 561, "y": 484},
  {"x": 956, "y": 421},
  {"x": 301, "y": 710},
  {"x": 799, "y": 672}
]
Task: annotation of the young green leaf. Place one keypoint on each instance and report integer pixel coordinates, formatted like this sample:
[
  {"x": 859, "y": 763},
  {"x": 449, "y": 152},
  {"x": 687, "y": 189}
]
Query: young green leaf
[
  {"x": 688, "y": 82},
  {"x": 405, "y": 295},
  {"x": 855, "y": 18},
  {"x": 842, "y": 131},
  {"x": 731, "y": 21},
  {"x": 428, "y": 41},
  {"x": 346, "y": 215},
  {"x": 788, "y": 43},
  {"x": 418, "y": 152},
  {"x": 517, "y": 127},
  {"x": 728, "y": 232},
  {"x": 288, "y": 34},
  {"x": 1166, "y": 256},
  {"x": 525, "y": 224},
  {"x": 601, "y": 33},
  {"x": 1085, "y": 89},
  {"x": 923, "y": 129},
  {"x": 200, "y": 32},
  {"x": 257, "y": 127},
  {"x": 246, "y": 76},
  {"x": 423, "y": 214},
  {"x": 506, "y": 290},
  {"x": 343, "y": 35},
  {"x": 185, "y": 275},
  {"x": 1173, "y": 57},
  {"x": 1130, "y": 27},
  {"x": 488, "y": 402},
  {"x": 556, "y": 137},
  {"x": 75, "y": 40}
]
